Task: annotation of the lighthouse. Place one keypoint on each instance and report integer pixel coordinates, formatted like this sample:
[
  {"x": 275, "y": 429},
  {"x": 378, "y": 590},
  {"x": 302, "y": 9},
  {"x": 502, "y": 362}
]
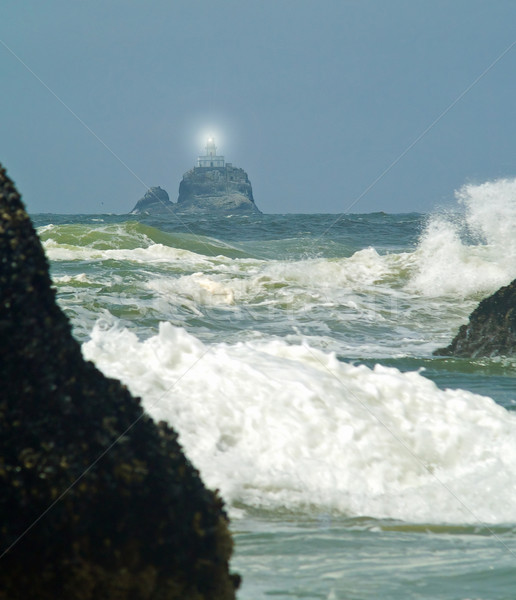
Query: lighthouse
[{"x": 210, "y": 159}]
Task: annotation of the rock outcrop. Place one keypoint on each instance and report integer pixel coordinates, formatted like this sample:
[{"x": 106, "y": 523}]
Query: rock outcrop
[
  {"x": 491, "y": 330},
  {"x": 97, "y": 501},
  {"x": 203, "y": 190},
  {"x": 155, "y": 201},
  {"x": 217, "y": 189}
]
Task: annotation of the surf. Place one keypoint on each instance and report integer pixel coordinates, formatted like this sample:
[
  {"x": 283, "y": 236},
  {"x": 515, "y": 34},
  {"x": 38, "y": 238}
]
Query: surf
[{"x": 286, "y": 426}]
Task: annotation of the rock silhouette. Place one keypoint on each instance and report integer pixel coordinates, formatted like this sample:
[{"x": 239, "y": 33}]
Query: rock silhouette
[
  {"x": 97, "y": 501},
  {"x": 154, "y": 201}
]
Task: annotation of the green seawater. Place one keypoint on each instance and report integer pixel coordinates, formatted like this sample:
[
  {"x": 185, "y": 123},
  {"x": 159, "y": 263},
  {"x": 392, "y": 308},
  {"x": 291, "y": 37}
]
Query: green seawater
[
  {"x": 374, "y": 289},
  {"x": 329, "y": 559}
]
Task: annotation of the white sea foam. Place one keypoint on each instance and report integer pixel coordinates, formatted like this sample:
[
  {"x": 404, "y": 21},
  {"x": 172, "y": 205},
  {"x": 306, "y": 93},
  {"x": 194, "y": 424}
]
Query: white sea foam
[
  {"x": 155, "y": 253},
  {"x": 293, "y": 283},
  {"x": 286, "y": 426},
  {"x": 198, "y": 287},
  {"x": 80, "y": 278},
  {"x": 366, "y": 304},
  {"x": 45, "y": 228}
]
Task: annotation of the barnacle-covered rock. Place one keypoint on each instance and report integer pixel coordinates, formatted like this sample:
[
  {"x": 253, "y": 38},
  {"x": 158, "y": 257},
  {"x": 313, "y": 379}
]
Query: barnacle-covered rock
[
  {"x": 491, "y": 330},
  {"x": 96, "y": 500}
]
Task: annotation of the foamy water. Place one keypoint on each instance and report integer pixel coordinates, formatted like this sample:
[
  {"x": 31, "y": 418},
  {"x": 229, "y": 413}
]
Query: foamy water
[
  {"x": 257, "y": 340},
  {"x": 460, "y": 257},
  {"x": 287, "y": 426},
  {"x": 238, "y": 353}
]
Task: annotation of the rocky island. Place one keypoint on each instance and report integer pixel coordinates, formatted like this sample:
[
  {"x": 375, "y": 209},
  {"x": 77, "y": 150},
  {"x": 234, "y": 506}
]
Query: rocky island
[
  {"x": 97, "y": 501},
  {"x": 155, "y": 201},
  {"x": 213, "y": 187}
]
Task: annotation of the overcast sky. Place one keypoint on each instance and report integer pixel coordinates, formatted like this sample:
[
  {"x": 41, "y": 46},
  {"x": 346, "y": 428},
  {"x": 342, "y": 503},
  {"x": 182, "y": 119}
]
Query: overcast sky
[{"x": 315, "y": 100}]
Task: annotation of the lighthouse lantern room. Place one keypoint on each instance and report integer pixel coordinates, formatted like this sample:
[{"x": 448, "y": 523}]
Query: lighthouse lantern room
[{"x": 210, "y": 159}]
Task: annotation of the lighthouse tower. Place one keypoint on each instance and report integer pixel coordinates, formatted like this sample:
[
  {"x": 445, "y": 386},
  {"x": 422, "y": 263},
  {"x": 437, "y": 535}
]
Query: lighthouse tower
[{"x": 210, "y": 159}]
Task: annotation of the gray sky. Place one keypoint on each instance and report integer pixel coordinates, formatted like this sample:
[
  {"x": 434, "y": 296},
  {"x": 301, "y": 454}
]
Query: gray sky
[{"x": 313, "y": 99}]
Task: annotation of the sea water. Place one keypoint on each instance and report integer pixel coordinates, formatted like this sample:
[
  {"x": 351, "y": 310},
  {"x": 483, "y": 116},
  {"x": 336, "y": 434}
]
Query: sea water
[{"x": 293, "y": 355}]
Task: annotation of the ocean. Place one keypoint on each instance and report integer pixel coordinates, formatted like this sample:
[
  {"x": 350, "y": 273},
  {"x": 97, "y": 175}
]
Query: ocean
[{"x": 294, "y": 356}]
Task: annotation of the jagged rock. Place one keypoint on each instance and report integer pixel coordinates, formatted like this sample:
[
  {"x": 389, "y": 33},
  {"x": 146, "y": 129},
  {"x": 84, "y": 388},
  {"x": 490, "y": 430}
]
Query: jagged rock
[
  {"x": 216, "y": 189},
  {"x": 155, "y": 201},
  {"x": 491, "y": 330},
  {"x": 96, "y": 500}
]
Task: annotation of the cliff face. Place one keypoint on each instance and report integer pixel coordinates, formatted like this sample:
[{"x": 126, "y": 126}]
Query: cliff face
[
  {"x": 97, "y": 501},
  {"x": 491, "y": 330},
  {"x": 220, "y": 189}
]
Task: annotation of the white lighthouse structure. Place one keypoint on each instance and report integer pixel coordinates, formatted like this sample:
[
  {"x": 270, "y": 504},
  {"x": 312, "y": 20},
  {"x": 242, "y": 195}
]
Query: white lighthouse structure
[{"x": 210, "y": 159}]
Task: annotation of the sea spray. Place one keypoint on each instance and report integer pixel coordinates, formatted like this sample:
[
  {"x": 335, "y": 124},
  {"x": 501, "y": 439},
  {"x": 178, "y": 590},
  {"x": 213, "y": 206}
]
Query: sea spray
[
  {"x": 491, "y": 214},
  {"x": 284, "y": 426},
  {"x": 471, "y": 253}
]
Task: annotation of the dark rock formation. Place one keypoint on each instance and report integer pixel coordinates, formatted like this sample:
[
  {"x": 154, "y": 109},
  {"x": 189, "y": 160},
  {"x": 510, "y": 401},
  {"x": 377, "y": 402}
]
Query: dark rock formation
[
  {"x": 155, "y": 201},
  {"x": 224, "y": 190},
  {"x": 96, "y": 500},
  {"x": 491, "y": 330}
]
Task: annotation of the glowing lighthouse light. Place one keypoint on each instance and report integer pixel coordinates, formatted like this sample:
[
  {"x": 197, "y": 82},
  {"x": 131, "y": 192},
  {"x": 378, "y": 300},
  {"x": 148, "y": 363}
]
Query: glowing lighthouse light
[{"x": 210, "y": 159}]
